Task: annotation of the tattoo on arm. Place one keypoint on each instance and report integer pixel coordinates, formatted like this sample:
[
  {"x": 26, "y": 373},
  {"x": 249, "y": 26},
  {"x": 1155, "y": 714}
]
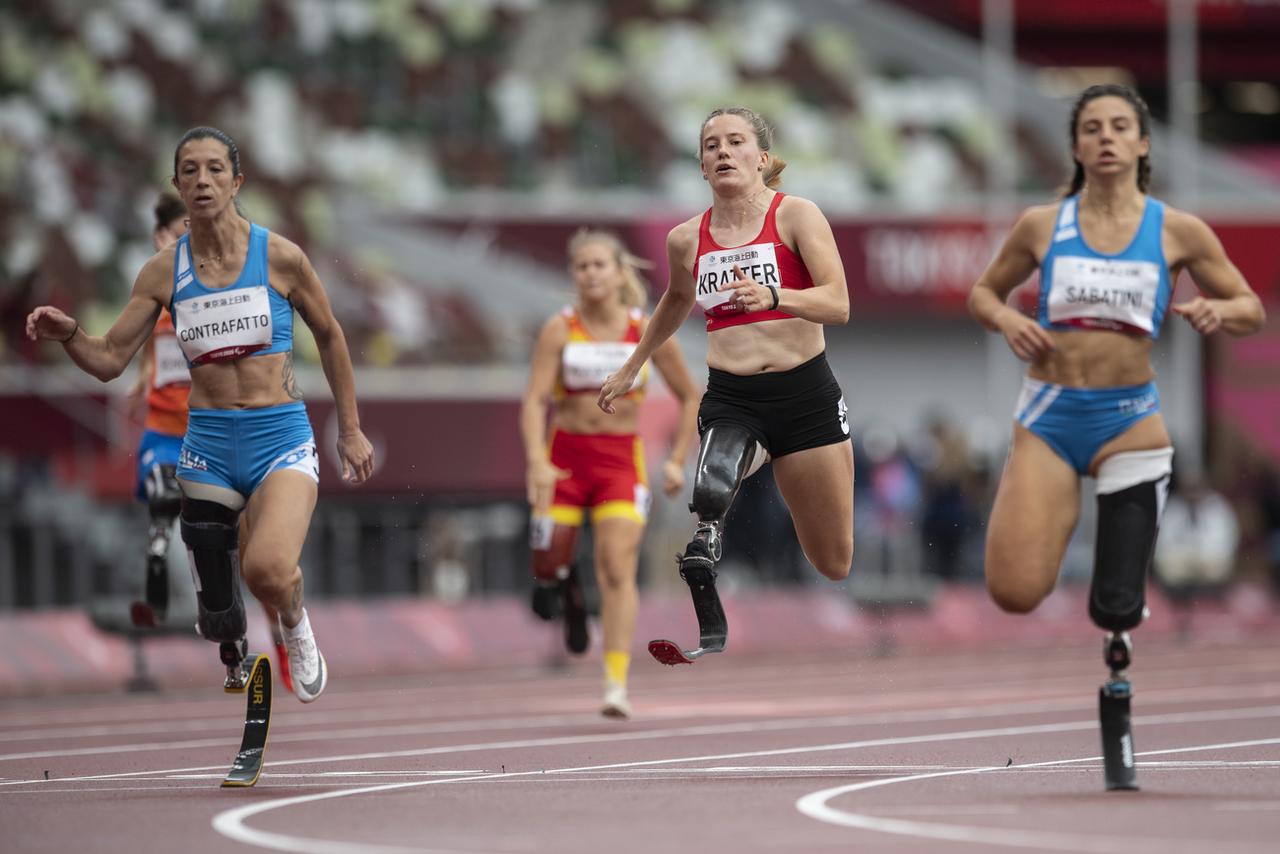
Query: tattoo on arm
[{"x": 289, "y": 380}]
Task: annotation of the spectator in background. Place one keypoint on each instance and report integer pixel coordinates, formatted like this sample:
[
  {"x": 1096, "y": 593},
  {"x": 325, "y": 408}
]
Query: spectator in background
[
  {"x": 949, "y": 514},
  {"x": 1196, "y": 551},
  {"x": 594, "y": 461}
]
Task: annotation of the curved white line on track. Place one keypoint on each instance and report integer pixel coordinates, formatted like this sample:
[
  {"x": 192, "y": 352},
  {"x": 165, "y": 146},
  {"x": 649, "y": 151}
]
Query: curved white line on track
[
  {"x": 816, "y": 806},
  {"x": 231, "y": 823}
]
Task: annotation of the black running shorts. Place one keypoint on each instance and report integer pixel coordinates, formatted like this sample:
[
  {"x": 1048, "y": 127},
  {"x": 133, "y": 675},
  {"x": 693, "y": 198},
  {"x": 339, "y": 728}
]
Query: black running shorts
[{"x": 786, "y": 411}]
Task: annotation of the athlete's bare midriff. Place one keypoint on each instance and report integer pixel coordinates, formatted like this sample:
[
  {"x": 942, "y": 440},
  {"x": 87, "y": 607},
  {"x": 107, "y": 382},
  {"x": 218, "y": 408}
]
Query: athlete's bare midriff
[
  {"x": 765, "y": 347},
  {"x": 1095, "y": 358},
  {"x": 578, "y": 412},
  {"x": 251, "y": 382}
]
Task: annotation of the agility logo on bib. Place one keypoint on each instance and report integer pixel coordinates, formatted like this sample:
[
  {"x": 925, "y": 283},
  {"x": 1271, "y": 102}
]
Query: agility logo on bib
[
  {"x": 1104, "y": 293},
  {"x": 218, "y": 326},
  {"x": 759, "y": 261}
]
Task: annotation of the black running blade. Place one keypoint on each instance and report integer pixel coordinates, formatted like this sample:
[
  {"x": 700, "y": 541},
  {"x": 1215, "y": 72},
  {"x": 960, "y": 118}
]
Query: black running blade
[
  {"x": 1117, "y": 737},
  {"x": 257, "y": 721},
  {"x": 669, "y": 652}
]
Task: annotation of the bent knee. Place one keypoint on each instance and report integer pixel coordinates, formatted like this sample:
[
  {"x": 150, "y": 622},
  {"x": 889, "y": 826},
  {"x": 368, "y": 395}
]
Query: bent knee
[{"x": 270, "y": 578}]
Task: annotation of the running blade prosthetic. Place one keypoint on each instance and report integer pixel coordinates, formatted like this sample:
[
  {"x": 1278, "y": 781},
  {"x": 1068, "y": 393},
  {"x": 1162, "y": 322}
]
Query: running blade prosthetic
[
  {"x": 696, "y": 568},
  {"x": 257, "y": 721}
]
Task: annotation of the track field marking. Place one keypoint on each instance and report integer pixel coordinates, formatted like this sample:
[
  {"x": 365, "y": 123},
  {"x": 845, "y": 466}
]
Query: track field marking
[
  {"x": 1150, "y": 697},
  {"x": 815, "y": 805},
  {"x": 231, "y": 823}
]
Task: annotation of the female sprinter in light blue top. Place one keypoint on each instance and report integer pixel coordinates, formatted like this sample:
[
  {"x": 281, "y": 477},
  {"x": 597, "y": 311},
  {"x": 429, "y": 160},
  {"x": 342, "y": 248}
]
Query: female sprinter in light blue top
[
  {"x": 232, "y": 288},
  {"x": 1107, "y": 255}
]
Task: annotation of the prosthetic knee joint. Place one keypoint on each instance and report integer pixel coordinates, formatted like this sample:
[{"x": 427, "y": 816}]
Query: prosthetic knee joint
[
  {"x": 727, "y": 456},
  {"x": 211, "y": 535},
  {"x": 1132, "y": 488}
]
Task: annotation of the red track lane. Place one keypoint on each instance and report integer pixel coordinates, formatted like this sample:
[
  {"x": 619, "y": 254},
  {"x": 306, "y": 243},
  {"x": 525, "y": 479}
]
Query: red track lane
[{"x": 948, "y": 752}]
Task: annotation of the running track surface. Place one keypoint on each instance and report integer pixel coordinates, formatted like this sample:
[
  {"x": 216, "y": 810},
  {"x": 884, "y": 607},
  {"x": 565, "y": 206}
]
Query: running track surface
[{"x": 948, "y": 752}]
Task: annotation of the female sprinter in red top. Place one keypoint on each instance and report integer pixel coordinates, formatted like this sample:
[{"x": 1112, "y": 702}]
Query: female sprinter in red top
[
  {"x": 1108, "y": 255},
  {"x": 593, "y": 461},
  {"x": 764, "y": 269}
]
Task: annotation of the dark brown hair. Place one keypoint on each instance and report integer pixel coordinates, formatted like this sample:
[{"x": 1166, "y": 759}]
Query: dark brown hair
[
  {"x": 1134, "y": 100},
  {"x": 168, "y": 208}
]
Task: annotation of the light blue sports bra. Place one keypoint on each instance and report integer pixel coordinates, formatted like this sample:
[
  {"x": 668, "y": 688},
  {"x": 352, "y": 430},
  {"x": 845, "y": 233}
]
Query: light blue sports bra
[
  {"x": 246, "y": 318},
  {"x": 1126, "y": 292}
]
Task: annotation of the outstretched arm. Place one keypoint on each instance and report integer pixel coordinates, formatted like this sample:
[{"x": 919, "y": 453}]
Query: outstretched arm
[
  {"x": 106, "y": 357},
  {"x": 307, "y": 295},
  {"x": 670, "y": 312}
]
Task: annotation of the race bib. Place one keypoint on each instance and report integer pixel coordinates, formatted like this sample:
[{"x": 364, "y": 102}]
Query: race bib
[
  {"x": 171, "y": 365},
  {"x": 758, "y": 261},
  {"x": 586, "y": 364},
  {"x": 219, "y": 326},
  {"x": 1104, "y": 293}
]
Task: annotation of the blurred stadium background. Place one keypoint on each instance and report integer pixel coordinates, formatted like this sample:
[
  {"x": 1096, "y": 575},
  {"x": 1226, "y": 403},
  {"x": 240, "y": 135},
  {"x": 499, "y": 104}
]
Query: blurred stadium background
[{"x": 433, "y": 156}]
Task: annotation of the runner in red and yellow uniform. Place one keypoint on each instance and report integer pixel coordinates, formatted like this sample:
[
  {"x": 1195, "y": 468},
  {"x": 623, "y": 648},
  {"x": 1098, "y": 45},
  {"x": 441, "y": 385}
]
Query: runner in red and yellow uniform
[{"x": 594, "y": 463}]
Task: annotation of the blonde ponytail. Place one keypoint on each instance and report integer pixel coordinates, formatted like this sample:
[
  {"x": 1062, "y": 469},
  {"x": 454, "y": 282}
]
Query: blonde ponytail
[
  {"x": 635, "y": 291},
  {"x": 773, "y": 172}
]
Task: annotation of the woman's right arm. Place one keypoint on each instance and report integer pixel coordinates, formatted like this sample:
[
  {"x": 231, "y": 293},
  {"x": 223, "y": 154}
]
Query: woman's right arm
[
  {"x": 540, "y": 474},
  {"x": 106, "y": 357},
  {"x": 671, "y": 311},
  {"x": 1013, "y": 265}
]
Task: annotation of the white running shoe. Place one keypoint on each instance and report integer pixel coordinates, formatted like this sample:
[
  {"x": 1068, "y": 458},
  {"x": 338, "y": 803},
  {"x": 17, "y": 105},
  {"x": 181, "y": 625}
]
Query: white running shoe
[
  {"x": 616, "y": 704},
  {"x": 306, "y": 664}
]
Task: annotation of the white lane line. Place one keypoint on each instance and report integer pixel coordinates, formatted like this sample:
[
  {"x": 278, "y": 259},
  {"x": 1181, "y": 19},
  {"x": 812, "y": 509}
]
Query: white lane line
[
  {"x": 1150, "y": 698},
  {"x": 816, "y": 806},
  {"x": 231, "y": 823},
  {"x": 751, "y": 727}
]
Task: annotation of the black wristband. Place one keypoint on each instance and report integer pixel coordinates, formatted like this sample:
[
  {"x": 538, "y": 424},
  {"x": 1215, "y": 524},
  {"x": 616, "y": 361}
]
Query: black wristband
[
  {"x": 774, "y": 290},
  {"x": 67, "y": 340}
]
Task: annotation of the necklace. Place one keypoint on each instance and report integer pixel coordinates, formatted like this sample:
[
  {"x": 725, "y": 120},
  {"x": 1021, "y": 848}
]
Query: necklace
[{"x": 211, "y": 258}]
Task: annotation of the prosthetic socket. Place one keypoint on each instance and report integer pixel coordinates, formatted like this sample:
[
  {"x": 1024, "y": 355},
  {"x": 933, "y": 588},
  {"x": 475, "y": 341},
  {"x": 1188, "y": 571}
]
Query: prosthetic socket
[
  {"x": 1132, "y": 488},
  {"x": 211, "y": 535}
]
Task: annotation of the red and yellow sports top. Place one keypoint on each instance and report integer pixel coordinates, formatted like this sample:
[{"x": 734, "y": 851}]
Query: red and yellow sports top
[
  {"x": 586, "y": 362},
  {"x": 766, "y": 259},
  {"x": 169, "y": 382}
]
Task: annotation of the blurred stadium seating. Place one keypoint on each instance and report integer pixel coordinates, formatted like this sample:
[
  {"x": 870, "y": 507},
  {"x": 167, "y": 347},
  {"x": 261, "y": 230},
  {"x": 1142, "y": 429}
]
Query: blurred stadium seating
[{"x": 433, "y": 156}]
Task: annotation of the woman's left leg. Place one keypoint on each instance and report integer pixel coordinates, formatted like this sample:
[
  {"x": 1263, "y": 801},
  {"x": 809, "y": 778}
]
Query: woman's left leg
[
  {"x": 817, "y": 486},
  {"x": 278, "y": 516},
  {"x": 617, "y": 549}
]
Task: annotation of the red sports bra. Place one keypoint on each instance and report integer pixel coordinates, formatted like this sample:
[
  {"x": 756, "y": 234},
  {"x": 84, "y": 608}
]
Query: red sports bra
[{"x": 766, "y": 259}]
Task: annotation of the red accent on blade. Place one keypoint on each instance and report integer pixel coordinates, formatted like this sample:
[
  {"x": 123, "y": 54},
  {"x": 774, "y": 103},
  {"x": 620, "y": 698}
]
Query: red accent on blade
[{"x": 667, "y": 652}]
